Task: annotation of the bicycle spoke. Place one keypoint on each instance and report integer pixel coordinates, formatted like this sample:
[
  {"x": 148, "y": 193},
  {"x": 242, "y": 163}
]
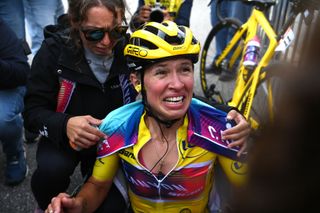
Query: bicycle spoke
[{"x": 212, "y": 86}]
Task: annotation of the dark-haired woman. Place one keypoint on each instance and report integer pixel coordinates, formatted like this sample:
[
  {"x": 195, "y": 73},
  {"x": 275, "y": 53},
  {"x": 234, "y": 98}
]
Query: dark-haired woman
[{"x": 78, "y": 77}]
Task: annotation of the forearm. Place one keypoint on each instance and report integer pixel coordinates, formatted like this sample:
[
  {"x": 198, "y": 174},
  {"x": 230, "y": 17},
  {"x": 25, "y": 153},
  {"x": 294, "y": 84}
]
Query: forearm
[{"x": 93, "y": 193}]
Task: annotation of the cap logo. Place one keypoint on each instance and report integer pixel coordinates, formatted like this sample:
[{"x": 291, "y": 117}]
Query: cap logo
[{"x": 177, "y": 48}]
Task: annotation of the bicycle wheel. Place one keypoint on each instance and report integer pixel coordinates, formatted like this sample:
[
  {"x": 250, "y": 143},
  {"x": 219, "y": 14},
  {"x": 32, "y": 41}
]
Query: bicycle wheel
[
  {"x": 267, "y": 96},
  {"x": 212, "y": 87}
]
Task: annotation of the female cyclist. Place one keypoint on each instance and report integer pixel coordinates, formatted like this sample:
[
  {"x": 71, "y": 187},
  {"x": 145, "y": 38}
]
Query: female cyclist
[{"x": 163, "y": 143}]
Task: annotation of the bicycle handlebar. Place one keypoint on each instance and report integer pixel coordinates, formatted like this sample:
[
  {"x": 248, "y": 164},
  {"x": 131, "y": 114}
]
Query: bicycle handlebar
[{"x": 298, "y": 6}]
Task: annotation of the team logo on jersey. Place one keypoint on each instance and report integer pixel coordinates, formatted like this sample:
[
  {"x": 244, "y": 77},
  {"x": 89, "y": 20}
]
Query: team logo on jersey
[
  {"x": 239, "y": 168},
  {"x": 103, "y": 146},
  {"x": 185, "y": 210},
  {"x": 126, "y": 153},
  {"x": 186, "y": 145}
]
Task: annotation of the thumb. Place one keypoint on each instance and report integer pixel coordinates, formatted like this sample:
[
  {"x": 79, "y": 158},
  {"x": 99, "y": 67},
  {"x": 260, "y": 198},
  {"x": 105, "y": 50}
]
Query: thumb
[{"x": 232, "y": 114}]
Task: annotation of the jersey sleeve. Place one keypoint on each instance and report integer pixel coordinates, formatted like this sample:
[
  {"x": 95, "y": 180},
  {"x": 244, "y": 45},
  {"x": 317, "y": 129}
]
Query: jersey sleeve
[
  {"x": 106, "y": 168},
  {"x": 234, "y": 170}
]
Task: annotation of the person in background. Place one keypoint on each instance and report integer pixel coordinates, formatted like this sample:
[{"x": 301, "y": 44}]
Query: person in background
[
  {"x": 77, "y": 77},
  {"x": 14, "y": 69},
  {"x": 231, "y": 9},
  {"x": 159, "y": 10},
  {"x": 38, "y": 14},
  {"x": 164, "y": 143},
  {"x": 12, "y": 12}
]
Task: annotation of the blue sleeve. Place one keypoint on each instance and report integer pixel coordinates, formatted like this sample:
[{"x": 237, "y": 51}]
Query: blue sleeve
[
  {"x": 183, "y": 16},
  {"x": 14, "y": 66}
]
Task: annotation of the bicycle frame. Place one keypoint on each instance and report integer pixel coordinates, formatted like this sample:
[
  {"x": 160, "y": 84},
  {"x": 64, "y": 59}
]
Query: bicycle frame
[{"x": 245, "y": 88}]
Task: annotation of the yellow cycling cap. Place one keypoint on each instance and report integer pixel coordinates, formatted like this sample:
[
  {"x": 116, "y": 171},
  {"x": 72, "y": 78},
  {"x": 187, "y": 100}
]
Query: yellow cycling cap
[{"x": 159, "y": 41}]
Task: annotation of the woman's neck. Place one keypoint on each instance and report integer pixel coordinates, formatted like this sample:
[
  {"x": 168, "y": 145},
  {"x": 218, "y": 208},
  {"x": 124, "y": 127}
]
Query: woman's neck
[{"x": 154, "y": 128}]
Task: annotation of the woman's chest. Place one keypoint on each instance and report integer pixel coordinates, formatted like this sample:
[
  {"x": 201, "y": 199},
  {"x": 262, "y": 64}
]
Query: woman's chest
[{"x": 188, "y": 177}]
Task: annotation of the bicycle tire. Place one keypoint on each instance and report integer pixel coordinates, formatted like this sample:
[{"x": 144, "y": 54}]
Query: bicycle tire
[
  {"x": 259, "y": 110},
  {"x": 210, "y": 81}
]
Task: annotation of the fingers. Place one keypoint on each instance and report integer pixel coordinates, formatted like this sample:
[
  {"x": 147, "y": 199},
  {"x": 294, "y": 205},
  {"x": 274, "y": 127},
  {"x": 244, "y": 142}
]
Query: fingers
[
  {"x": 236, "y": 133},
  {"x": 49, "y": 209},
  {"x": 93, "y": 121},
  {"x": 56, "y": 204},
  {"x": 239, "y": 133},
  {"x": 144, "y": 13},
  {"x": 242, "y": 127},
  {"x": 242, "y": 150},
  {"x": 87, "y": 138},
  {"x": 242, "y": 143},
  {"x": 82, "y": 131},
  {"x": 232, "y": 114},
  {"x": 82, "y": 144}
]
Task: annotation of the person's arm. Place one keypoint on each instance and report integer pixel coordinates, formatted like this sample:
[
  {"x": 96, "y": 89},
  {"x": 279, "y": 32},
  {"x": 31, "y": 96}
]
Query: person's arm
[
  {"x": 88, "y": 200},
  {"x": 141, "y": 16},
  {"x": 40, "y": 113},
  {"x": 14, "y": 66},
  {"x": 93, "y": 192}
]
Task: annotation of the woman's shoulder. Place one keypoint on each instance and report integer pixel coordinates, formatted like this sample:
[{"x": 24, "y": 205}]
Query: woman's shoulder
[
  {"x": 120, "y": 126},
  {"x": 122, "y": 116}
]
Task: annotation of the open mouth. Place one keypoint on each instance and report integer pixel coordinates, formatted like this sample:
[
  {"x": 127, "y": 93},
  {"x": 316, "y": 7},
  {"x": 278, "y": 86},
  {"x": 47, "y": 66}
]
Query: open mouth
[{"x": 174, "y": 100}]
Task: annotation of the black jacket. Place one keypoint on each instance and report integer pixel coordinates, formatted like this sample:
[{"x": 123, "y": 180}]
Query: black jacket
[
  {"x": 14, "y": 66},
  {"x": 59, "y": 59}
]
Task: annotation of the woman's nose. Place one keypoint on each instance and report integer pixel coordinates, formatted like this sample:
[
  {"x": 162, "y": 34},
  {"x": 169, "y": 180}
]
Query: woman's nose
[
  {"x": 176, "y": 81},
  {"x": 106, "y": 39}
]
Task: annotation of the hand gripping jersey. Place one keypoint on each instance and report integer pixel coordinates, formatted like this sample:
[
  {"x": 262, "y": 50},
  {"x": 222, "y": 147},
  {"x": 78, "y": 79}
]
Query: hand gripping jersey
[{"x": 186, "y": 187}]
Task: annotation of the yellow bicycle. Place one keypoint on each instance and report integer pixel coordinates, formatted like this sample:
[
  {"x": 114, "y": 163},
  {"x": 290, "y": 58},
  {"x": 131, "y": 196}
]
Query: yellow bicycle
[{"x": 253, "y": 91}]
